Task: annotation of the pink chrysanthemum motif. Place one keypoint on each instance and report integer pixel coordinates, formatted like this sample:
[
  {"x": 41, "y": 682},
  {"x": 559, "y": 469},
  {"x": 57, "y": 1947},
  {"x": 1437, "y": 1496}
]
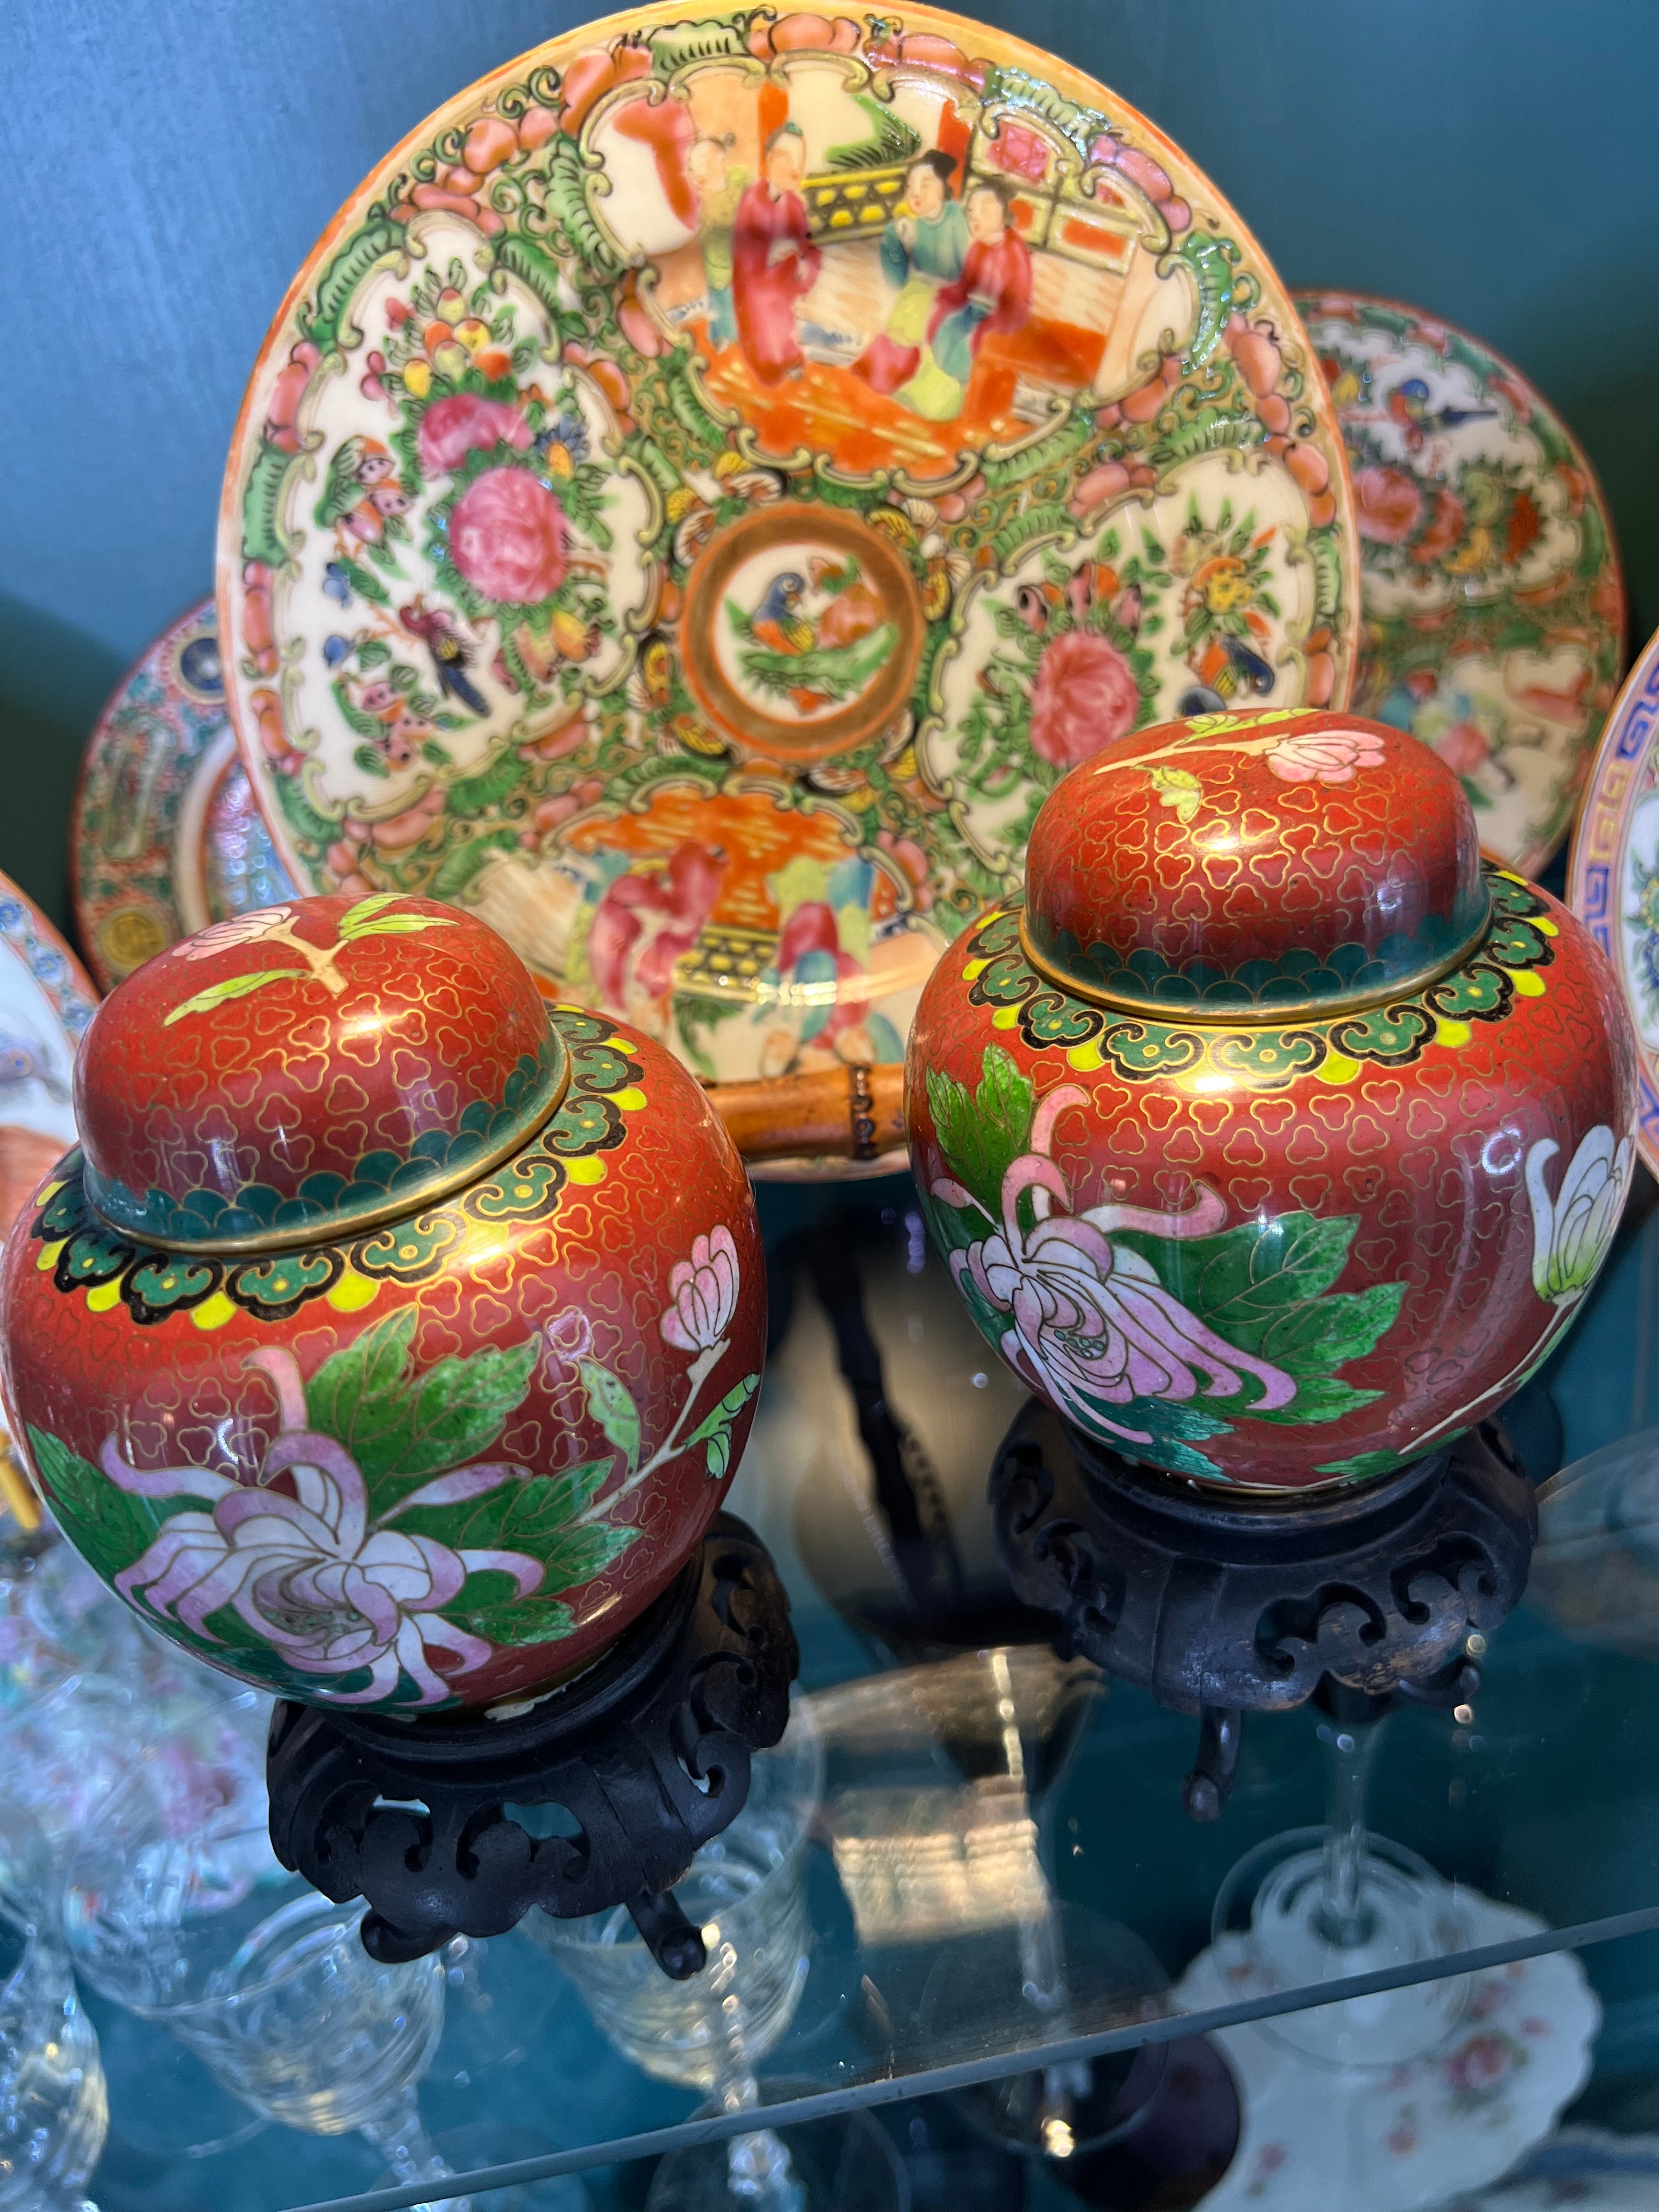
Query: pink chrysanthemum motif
[
  {"x": 1091, "y": 1327},
  {"x": 306, "y": 1568}
]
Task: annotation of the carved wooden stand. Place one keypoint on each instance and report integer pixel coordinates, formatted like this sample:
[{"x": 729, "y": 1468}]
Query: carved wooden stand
[
  {"x": 646, "y": 1756},
  {"x": 1223, "y": 1605}
]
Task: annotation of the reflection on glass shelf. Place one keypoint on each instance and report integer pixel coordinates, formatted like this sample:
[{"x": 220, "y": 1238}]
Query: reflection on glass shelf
[
  {"x": 983, "y": 1800},
  {"x": 53, "y": 2107},
  {"x": 746, "y": 1893}
]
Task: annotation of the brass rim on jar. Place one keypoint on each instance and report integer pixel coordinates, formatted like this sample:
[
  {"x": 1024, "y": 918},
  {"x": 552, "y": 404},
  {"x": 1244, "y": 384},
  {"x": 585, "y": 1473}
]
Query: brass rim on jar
[
  {"x": 1409, "y": 985},
  {"x": 331, "y": 1228}
]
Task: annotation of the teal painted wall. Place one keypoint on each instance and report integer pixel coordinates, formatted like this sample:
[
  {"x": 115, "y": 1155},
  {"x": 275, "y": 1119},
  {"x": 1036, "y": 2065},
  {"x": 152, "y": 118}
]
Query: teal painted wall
[{"x": 168, "y": 163}]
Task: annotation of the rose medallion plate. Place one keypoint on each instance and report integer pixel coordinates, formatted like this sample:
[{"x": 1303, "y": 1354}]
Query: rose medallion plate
[
  {"x": 1613, "y": 875},
  {"x": 1492, "y": 596},
  {"x": 165, "y": 836},
  {"x": 715, "y": 476}
]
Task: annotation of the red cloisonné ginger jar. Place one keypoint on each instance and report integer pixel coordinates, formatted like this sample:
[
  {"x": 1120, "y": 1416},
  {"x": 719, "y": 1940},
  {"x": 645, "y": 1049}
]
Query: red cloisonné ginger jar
[
  {"x": 1273, "y": 1138},
  {"x": 392, "y": 1337}
]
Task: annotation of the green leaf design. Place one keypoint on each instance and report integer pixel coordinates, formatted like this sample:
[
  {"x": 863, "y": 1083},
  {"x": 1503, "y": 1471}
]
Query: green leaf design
[
  {"x": 399, "y": 1430},
  {"x": 715, "y": 1429},
  {"x": 517, "y": 1517},
  {"x": 476, "y": 794},
  {"x": 519, "y": 1622},
  {"x": 1245, "y": 1279},
  {"x": 110, "y": 1528},
  {"x": 360, "y": 1396},
  {"x": 612, "y": 1406},
  {"x": 1177, "y": 787},
  {"x": 354, "y": 719},
  {"x": 1318, "y": 1334},
  {"x": 981, "y": 1133},
  {"x": 313, "y": 829},
  {"x": 573, "y": 1561},
  {"x": 231, "y": 987},
  {"x": 399, "y": 925},
  {"x": 1365, "y": 1466},
  {"x": 838, "y": 670},
  {"x": 1318, "y": 1398},
  {"x": 364, "y": 581},
  {"x": 1263, "y": 1287},
  {"x": 462, "y": 862},
  {"x": 462, "y": 1405},
  {"x": 355, "y": 915},
  {"x": 727, "y": 1410},
  {"x": 583, "y": 1553},
  {"x": 1175, "y": 1430}
]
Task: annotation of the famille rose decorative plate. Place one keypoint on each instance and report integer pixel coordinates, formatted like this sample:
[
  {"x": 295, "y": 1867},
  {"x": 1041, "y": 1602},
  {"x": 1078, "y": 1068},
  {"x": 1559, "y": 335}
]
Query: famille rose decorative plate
[
  {"x": 1492, "y": 591},
  {"x": 46, "y": 1002},
  {"x": 46, "y": 999},
  {"x": 166, "y": 837},
  {"x": 717, "y": 474},
  {"x": 1613, "y": 875}
]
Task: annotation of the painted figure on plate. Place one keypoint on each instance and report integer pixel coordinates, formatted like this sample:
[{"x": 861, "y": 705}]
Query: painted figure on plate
[
  {"x": 774, "y": 260},
  {"x": 922, "y": 250},
  {"x": 823, "y": 241},
  {"x": 719, "y": 188},
  {"x": 992, "y": 293}
]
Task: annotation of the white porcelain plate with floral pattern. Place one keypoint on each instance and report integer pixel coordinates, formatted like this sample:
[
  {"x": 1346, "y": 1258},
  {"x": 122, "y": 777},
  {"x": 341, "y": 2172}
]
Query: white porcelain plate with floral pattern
[{"x": 1402, "y": 2138}]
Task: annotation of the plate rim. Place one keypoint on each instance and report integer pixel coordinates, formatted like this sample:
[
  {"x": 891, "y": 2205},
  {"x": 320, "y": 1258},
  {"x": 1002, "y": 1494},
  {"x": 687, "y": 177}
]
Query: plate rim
[
  {"x": 87, "y": 936},
  {"x": 1643, "y": 676},
  {"x": 1528, "y": 864}
]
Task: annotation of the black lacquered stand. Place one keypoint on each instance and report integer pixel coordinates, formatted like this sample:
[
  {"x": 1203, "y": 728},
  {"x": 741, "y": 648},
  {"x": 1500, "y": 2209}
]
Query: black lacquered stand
[
  {"x": 639, "y": 1763},
  {"x": 1226, "y": 1604}
]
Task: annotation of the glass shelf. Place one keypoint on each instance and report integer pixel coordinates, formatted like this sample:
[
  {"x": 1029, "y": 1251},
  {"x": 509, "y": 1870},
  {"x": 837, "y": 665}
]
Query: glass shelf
[{"x": 993, "y": 1814}]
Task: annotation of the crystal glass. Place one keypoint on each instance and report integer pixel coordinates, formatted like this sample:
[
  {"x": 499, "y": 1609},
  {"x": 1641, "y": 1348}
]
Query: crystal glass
[
  {"x": 1319, "y": 1905},
  {"x": 745, "y": 1891},
  {"x": 54, "y": 2113},
  {"x": 175, "y": 1907}
]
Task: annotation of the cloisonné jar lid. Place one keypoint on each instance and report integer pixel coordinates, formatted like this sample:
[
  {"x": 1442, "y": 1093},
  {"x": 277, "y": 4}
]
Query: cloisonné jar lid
[
  {"x": 393, "y": 1335},
  {"x": 1243, "y": 864},
  {"x": 712, "y": 480},
  {"x": 1272, "y": 1137},
  {"x": 293, "y": 1073}
]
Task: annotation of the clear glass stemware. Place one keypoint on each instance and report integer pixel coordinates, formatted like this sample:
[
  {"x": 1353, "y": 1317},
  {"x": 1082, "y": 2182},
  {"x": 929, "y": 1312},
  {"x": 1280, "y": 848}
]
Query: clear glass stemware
[
  {"x": 745, "y": 1891},
  {"x": 176, "y": 1908},
  {"x": 53, "y": 2111}
]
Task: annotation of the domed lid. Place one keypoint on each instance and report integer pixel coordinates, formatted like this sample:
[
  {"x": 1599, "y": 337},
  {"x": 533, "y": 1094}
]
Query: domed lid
[
  {"x": 1238, "y": 865},
  {"x": 308, "y": 1069}
]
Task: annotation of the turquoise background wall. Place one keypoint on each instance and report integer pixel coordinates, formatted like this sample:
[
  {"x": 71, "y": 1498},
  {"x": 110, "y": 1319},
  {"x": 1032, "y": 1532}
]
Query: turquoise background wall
[{"x": 167, "y": 164}]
